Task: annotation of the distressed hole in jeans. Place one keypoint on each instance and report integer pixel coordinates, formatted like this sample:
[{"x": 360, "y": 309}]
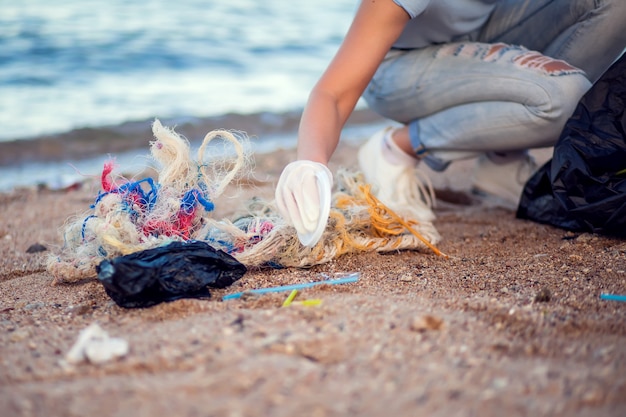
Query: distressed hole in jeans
[
  {"x": 484, "y": 51},
  {"x": 501, "y": 52},
  {"x": 550, "y": 66}
]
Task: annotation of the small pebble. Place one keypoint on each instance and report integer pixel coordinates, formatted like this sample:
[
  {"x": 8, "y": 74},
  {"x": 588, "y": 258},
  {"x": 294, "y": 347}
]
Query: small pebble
[
  {"x": 80, "y": 309},
  {"x": 543, "y": 296},
  {"x": 19, "y": 335},
  {"x": 423, "y": 323},
  {"x": 36, "y": 247}
]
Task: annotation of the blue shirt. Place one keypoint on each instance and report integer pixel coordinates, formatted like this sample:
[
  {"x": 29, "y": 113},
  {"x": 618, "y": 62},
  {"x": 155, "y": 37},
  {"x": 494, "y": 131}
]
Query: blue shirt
[{"x": 441, "y": 21}]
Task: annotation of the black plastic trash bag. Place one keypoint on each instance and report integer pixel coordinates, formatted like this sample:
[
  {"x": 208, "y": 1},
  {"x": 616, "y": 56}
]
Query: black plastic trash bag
[
  {"x": 583, "y": 187},
  {"x": 167, "y": 273}
]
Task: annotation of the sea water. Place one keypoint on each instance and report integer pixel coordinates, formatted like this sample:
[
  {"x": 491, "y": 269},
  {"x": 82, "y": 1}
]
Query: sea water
[
  {"x": 67, "y": 64},
  {"x": 73, "y": 64}
]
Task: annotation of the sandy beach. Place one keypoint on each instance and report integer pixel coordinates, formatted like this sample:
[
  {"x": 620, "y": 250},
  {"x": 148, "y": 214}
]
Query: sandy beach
[{"x": 510, "y": 324}]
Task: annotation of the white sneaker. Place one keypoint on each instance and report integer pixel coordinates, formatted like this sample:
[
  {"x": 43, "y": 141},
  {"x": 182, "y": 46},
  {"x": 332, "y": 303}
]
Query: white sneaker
[
  {"x": 503, "y": 180},
  {"x": 397, "y": 185}
]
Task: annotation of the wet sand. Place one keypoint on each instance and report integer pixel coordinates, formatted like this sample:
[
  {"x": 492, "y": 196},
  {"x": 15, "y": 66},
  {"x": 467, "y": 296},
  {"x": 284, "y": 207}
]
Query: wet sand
[{"x": 93, "y": 141}]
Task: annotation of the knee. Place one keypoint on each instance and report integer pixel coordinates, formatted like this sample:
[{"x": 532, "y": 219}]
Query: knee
[
  {"x": 571, "y": 89},
  {"x": 563, "y": 93},
  {"x": 561, "y": 84}
]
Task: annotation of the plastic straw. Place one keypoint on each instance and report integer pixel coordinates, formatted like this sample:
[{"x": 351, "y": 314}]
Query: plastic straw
[
  {"x": 353, "y": 277},
  {"x": 613, "y": 297},
  {"x": 308, "y": 303},
  {"x": 290, "y": 298}
]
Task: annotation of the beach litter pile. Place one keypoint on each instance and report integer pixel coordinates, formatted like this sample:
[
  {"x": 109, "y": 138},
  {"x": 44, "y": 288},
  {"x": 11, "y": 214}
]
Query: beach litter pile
[{"x": 131, "y": 216}]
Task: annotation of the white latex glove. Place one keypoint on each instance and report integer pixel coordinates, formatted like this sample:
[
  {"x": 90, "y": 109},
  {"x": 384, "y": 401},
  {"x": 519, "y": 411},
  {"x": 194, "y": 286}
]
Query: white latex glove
[{"x": 303, "y": 198}]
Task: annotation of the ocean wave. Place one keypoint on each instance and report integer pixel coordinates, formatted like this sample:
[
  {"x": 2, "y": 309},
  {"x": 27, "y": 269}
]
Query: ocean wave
[{"x": 67, "y": 67}]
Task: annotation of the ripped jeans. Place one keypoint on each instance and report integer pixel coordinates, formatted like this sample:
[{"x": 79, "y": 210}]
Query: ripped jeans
[{"x": 489, "y": 91}]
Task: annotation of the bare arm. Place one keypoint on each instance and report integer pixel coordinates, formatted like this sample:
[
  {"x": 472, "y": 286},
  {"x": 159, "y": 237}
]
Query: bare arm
[{"x": 376, "y": 25}]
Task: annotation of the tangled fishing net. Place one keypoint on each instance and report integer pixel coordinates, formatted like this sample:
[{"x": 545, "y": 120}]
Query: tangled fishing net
[{"x": 130, "y": 216}]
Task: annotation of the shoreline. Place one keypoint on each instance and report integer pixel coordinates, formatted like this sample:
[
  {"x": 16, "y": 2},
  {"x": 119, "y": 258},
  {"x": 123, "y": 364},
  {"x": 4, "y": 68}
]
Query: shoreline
[{"x": 89, "y": 142}]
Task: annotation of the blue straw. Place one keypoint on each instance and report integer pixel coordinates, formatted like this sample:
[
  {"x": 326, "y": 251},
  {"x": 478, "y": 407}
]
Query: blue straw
[
  {"x": 613, "y": 297},
  {"x": 353, "y": 277}
]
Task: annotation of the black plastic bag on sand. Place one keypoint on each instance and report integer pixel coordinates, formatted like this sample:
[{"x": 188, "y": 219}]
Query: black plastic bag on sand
[
  {"x": 167, "y": 273},
  {"x": 583, "y": 187}
]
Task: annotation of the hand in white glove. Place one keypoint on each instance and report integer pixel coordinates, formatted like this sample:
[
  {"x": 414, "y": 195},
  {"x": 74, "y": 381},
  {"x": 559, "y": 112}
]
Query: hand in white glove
[{"x": 303, "y": 198}]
